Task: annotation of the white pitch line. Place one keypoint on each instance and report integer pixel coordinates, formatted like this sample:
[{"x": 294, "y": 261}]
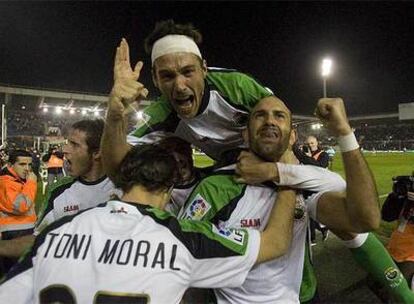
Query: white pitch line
[{"x": 383, "y": 195}]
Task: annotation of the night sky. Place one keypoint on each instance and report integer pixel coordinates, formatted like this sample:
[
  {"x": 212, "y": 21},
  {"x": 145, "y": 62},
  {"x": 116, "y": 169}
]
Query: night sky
[{"x": 70, "y": 46}]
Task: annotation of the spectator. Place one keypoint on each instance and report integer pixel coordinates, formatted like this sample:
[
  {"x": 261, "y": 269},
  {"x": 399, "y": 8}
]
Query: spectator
[
  {"x": 400, "y": 206},
  {"x": 312, "y": 154},
  {"x": 18, "y": 186}
]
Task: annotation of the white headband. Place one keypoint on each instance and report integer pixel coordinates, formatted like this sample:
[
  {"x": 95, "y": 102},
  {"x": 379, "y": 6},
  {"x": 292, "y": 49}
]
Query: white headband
[{"x": 174, "y": 44}]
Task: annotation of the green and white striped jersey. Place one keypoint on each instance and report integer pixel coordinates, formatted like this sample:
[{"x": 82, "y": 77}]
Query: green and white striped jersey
[
  {"x": 228, "y": 98},
  {"x": 222, "y": 201},
  {"x": 121, "y": 252}
]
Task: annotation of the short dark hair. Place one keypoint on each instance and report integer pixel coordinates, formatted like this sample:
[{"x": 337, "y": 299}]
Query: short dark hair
[
  {"x": 176, "y": 144},
  {"x": 148, "y": 165},
  {"x": 169, "y": 27},
  {"x": 93, "y": 129},
  {"x": 14, "y": 154}
]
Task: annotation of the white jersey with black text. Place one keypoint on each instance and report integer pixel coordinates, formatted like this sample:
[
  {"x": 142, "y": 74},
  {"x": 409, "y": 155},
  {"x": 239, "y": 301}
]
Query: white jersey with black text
[
  {"x": 71, "y": 195},
  {"x": 120, "y": 251}
]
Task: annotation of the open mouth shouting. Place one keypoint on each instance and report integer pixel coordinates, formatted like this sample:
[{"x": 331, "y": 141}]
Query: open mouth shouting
[
  {"x": 184, "y": 105},
  {"x": 269, "y": 134}
]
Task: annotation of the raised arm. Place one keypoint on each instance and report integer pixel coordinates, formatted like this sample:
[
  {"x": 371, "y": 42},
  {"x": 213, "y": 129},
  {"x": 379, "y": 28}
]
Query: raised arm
[
  {"x": 357, "y": 209},
  {"x": 126, "y": 89}
]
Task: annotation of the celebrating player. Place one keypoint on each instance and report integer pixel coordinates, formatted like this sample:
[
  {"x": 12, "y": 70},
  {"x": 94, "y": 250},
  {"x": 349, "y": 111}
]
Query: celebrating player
[{"x": 132, "y": 250}]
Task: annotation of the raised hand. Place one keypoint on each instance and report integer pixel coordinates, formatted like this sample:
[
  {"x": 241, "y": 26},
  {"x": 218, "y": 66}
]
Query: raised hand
[
  {"x": 331, "y": 111},
  {"x": 126, "y": 88}
]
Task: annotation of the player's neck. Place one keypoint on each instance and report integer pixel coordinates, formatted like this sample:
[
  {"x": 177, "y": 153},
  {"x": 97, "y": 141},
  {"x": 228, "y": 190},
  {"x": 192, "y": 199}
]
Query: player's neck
[
  {"x": 96, "y": 172},
  {"x": 140, "y": 195}
]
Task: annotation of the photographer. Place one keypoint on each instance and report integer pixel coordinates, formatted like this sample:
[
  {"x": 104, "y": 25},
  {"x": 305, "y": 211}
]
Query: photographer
[
  {"x": 399, "y": 205},
  {"x": 54, "y": 161},
  {"x": 311, "y": 153}
]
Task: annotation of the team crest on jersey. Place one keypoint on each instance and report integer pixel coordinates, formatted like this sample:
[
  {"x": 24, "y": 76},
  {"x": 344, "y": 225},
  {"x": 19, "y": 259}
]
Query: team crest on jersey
[
  {"x": 233, "y": 235},
  {"x": 197, "y": 209},
  {"x": 300, "y": 210}
]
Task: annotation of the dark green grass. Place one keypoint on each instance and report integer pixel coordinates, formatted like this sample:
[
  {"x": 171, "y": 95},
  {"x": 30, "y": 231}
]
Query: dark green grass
[{"x": 384, "y": 166}]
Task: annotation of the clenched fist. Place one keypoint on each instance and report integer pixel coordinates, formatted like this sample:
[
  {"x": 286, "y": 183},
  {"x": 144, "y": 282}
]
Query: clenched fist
[{"x": 331, "y": 111}]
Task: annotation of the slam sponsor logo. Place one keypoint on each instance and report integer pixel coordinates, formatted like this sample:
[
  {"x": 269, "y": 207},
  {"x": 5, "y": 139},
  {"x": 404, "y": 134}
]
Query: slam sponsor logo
[{"x": 71, "y": 208}]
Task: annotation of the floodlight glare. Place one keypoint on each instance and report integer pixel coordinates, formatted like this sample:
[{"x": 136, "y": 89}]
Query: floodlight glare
[
  {"x": 72, "y": 111},
  {"x": 326, "y": 67},
  {"x": 96, "y": 113},
  {"x": 140, "y": 115},
  {"x": 45, "y": 110},
  {"x": 58, "y": 110},
  {"x": 84, "y": 112},
  {"x": 316, "y": 126}
]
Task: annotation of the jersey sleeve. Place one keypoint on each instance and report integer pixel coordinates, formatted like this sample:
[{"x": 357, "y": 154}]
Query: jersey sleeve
[
  {"x": 214, "y": 196},
  {"x": 18, "y": 289},
  {"x": 158, "y": 116},
  {"x": 47, "y": 214},
  {"x": 311, "y": 178},
  {"x": 17, "y": 286},
  {"x": 240, "y": 89},
  {"x": 219, "y": 257}
]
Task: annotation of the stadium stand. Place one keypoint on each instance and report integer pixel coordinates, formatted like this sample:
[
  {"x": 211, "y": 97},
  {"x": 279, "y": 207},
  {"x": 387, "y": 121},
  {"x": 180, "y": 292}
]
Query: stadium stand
[{"x": 33, "y": 115}]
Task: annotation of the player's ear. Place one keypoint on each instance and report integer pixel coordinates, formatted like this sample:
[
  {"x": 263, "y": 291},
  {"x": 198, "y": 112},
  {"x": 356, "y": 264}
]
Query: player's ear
[
  {"x": 96, "y": 156},
  {"x": 293, "y": 137},
  {"x": 154, "y": 77},
  {"x": 204, "y": 68},
  {"x": 245, "y": 134}
]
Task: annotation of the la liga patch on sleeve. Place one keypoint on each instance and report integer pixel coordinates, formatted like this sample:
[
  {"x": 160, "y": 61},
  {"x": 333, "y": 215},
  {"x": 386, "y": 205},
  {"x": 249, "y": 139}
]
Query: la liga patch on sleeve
[
  {"x": 233, "y": 235},
  {"x": 197, "y": 209}
]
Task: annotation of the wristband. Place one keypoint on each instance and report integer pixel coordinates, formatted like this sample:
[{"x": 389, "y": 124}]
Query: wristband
[{"x": 348, "y": 142}]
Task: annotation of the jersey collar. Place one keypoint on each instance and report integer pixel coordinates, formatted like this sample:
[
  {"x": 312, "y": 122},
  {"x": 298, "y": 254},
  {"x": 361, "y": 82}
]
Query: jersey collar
[{"x": 98, "y": 181}]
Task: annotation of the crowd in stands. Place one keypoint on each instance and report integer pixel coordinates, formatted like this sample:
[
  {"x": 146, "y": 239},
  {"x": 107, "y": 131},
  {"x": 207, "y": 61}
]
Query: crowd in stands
[
  {"x": 22, "y": 123},
  {"x": 378, "y": 137}
]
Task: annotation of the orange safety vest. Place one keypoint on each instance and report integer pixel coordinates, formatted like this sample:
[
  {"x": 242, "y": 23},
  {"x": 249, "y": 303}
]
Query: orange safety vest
[
  {"x": 401, "y": 244},
  {"x": 17, "y": 202},
  {"x": 55, "y": 162}
]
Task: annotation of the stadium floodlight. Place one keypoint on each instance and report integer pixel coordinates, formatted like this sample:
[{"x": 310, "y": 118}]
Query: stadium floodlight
[
  {"x": 72, "y": 111},
  {"x": 316, "y": 126},
  {"x": 45, "y": 110},
  {"x": 23, "y": 107},
  {"x": 140, "y": 115},
  {"x": 96, "y": 113},
  {"x": 58, "y": 110},
  {"x": 326, "y": 71},
  {"x": 84, "y": 112}
]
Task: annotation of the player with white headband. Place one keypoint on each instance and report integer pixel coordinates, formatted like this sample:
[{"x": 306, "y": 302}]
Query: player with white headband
[{"x": 207, "y": 107}]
